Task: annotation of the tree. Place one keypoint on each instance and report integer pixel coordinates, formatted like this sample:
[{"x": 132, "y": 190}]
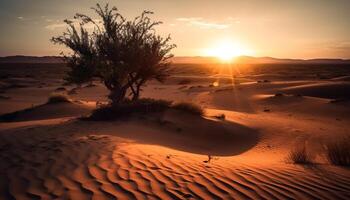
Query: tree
[{"x": 123, "y": 54}]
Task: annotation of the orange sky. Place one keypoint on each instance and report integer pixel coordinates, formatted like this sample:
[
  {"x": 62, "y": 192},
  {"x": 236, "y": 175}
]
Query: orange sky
[{"x": 287, "y": 29}]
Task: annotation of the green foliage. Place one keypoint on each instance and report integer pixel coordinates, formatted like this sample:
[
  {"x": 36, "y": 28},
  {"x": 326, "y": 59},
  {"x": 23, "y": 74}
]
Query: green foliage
[
  {"x": 189, "y": 108},
  {"x": 123, "y": 54}
]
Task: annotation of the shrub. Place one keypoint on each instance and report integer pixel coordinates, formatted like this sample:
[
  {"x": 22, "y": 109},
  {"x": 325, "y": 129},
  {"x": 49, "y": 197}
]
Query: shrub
[
  {"x": 299, "y": 156},
  {"x": 279, "y": 95},
  {"x": 123, "y": 54},
  {"x": 338, "y": 152},
  {"x": 189, "y": 108},
  {"x": 220, "y": 117},
  {"x": 127, "y": 107},
  {"x": 58, "y": 98}
]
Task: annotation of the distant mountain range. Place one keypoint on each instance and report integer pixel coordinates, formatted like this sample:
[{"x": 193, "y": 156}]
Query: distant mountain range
[
  {"x": 31, "y": 59},
  {"x": 260, "y": 60},
  {"x": 189, "y": 60}
]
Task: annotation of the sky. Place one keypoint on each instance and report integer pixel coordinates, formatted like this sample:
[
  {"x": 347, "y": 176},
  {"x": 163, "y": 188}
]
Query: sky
[{"x": 277, "y": 28}]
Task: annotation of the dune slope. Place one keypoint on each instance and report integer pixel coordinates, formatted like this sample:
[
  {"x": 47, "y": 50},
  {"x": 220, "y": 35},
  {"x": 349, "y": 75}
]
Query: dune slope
[{"x": 68, "y": 162}]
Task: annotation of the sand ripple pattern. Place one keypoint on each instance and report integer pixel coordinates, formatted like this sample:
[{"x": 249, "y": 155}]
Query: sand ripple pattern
[{"x": 69, "y": 166}]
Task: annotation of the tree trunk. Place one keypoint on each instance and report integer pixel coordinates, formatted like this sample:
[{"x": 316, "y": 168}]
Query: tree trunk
[
  {"x": 117, "y": 94},
  {"x": 136, "y": 93}
]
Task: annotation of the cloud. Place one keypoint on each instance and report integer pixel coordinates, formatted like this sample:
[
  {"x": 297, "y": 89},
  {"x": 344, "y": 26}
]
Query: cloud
[
  {"x": 61, "y": 25},
  {"x": 53, "y": 27},
  {"x": 20, "y": 18},
  {"x": 201, "y": 23},
  {"x": 189, "y": 19},
  {"x": 342, "y": 46},
  {"x": 208, "y": 25}
]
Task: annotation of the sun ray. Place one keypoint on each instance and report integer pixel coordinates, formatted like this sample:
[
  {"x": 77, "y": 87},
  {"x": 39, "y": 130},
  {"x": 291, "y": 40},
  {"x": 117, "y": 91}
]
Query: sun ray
[{"x": 226, "y": 50}]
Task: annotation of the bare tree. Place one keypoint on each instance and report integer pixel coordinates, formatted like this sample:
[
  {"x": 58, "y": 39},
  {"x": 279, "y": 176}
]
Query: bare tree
[{"x": 123, "y": 54}]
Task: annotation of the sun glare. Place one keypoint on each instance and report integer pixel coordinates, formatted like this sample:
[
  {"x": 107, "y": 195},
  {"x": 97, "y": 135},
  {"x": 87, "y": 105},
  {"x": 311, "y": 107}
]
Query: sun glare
[{"x": 226, "y": 50}]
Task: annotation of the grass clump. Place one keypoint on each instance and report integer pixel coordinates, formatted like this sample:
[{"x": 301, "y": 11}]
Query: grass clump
[
  {"x": 141, "y": 106},
  {"x": 189, "y": 108},
  {"x": 279, "y": 95},
  {"x": 220, "y": 117},
  {"x": 299, "y": 156},
  {"x": 338, "y": 152},
  {"x": 126, "y": 108},
  {"x": 58, "y": 98}
]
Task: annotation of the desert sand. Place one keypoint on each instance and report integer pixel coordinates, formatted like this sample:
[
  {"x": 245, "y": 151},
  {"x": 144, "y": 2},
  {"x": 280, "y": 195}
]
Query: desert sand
[{"x": 47, "y": 152}]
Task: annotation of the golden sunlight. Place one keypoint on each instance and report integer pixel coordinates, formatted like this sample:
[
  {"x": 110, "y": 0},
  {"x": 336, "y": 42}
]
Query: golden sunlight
[{"x": 226, "y": 50}]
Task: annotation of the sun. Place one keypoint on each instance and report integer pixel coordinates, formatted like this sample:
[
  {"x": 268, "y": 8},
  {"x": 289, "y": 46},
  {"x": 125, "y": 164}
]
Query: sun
[{"x": 226, "y": 50}]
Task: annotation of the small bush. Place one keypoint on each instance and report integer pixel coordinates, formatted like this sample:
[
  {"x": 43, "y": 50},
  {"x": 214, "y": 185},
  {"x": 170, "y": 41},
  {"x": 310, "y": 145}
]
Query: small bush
[
  {"x": 279, "y": 95},
  {"x": 58, "y": 98},
  {"x": 220, "y": 117},
  {"x": 189, "y": 108},
  {"x": 299, "y": 156},
  {"x": 128, "y": 107},
  {"x": 338, "y": 153}
]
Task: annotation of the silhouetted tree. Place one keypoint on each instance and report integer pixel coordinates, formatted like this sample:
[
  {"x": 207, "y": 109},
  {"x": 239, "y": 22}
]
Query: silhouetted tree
[{"x": 123, "y": 54}]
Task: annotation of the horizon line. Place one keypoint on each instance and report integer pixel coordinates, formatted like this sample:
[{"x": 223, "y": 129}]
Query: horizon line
[{"x": 203, "y": 56}]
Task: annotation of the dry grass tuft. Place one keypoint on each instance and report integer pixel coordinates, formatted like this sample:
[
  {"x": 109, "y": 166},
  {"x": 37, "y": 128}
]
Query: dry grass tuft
[
  {"x": 126, "y": 108},
  {"x": 188, "y": 107},
  {"x": 299, "y": 156},
  {"x": 220, "y": 117},
  {"x": 338, "y": 152},
  {"x": 58, "y": 98},
  {"x": 141, "y": 106}
]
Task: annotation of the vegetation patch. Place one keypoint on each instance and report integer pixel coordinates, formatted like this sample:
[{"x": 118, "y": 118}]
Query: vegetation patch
[
  {"x": 189, "y": 108},
  {"x": 279, "y": 95},
  {"x": 141, "y": 106},
  {"x": 58, "y": 98},
  {"x": 127, "y": 107},
  {"x": 338, "y": 152},
  {"x": 220, "y": 116},
  {"x": 299, "y": 156}
]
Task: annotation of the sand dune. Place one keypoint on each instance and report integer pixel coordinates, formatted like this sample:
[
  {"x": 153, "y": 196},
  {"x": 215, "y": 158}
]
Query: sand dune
[
  {"x": 97, "y": 166},
  {"x": 47, "y": 153},
  {"x": 342, "y": 78},
  {"x": 330, "y": 90},
  {"x": 48, "y": 111}
]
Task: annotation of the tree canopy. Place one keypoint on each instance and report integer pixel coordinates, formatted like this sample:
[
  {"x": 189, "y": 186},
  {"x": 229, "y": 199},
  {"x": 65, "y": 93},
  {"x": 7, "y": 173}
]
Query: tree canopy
[{"x": 123, "y": 54}]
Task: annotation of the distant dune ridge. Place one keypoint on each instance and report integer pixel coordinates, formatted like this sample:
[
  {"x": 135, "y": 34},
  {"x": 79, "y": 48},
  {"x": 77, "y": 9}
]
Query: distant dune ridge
[{"x": 188, "y": 59}]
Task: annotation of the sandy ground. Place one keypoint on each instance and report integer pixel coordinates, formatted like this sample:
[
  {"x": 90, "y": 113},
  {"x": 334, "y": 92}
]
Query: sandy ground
[{"x": 47, "y": 153}]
